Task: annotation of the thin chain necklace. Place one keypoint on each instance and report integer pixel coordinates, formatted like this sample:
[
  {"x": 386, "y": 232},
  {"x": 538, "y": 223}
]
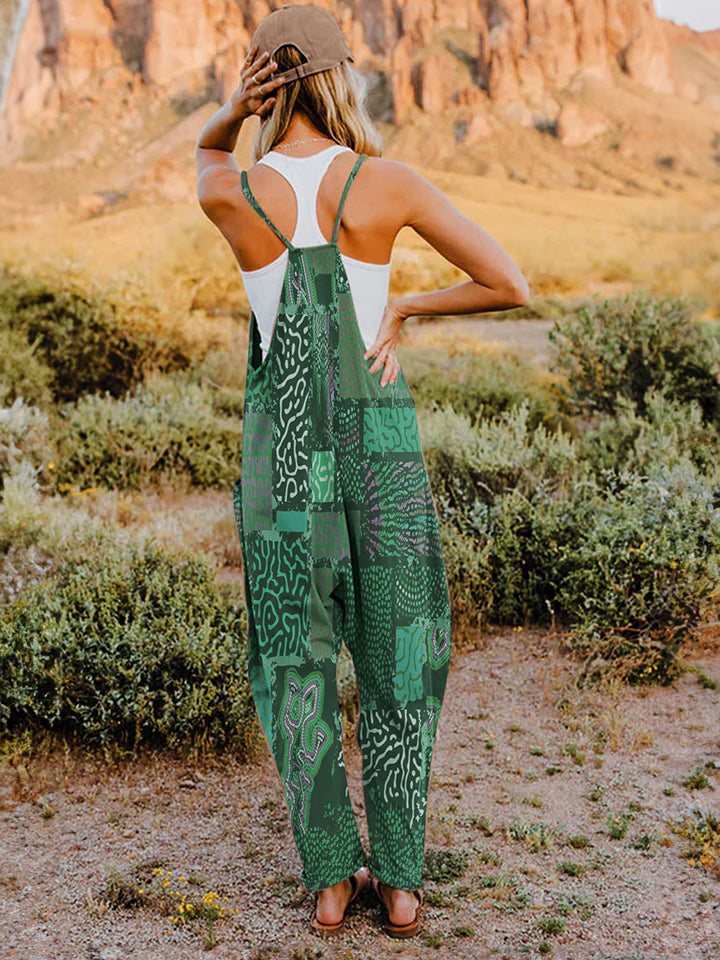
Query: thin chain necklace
[{"x": 281, "y": 146}]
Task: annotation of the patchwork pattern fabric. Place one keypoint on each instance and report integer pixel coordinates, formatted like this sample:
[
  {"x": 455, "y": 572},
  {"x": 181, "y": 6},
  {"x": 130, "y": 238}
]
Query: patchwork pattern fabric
[{"x": 340, "y": 543}]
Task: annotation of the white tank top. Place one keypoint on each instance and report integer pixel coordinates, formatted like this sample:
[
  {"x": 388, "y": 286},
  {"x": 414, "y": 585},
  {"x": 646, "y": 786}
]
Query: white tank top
[{"x": 369, "y": 282}]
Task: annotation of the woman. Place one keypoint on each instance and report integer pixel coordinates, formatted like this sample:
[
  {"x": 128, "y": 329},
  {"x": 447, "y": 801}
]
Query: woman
[{"x": 338, "y": 528}]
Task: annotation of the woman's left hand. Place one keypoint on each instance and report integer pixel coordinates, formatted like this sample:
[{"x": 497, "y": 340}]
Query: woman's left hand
[
  {"x": 251, "y": 96},
  {"x": 383, "y": 349}
]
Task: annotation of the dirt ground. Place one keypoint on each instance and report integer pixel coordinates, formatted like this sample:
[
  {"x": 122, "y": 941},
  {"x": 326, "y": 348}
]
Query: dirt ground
[
  {"x": 527, "y": 338},
  {"x": 524, "y": 764}
]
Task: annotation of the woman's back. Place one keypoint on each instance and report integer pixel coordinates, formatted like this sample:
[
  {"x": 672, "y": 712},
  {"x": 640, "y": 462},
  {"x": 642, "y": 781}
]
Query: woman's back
[
  {"x": 339, "y": 535},
  {"x": 369, "y": 282}
]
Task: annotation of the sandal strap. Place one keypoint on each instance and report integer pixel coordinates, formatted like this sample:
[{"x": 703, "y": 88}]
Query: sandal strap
[
  {"x": 419, "y": 895},
  {"x": 319, "y": 925},
  {"x": 418, "y": 891},
  {"x": 355, "y": 884}
]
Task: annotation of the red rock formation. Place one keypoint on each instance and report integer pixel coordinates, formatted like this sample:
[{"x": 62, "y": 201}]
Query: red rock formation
[
  {"x": 188, "y": 36},
  {"x": 708, "y": 40},
  {"x": 695, "y": 57},
  {"x": 531, "y": 47},
  {"x": 451, "y": 54},
  {"x": 59, "y": 46},
  {"x": 576, "y": 125}
]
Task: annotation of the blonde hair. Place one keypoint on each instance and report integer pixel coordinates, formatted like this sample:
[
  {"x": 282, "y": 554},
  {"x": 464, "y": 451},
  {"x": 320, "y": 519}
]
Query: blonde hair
[{"x": 333, "y": 100}]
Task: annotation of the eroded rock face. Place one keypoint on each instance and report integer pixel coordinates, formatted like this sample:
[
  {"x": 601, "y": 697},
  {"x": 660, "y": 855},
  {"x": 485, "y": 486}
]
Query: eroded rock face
[
  {"x": 433, "y": 57},
  {"x": 695, "y": 58},
  {"x": 531, "y": 46},
  {"x": 578, "y": 125},
  {"x": 59, "y": 46},
  {"x": 190, "y": 35}
]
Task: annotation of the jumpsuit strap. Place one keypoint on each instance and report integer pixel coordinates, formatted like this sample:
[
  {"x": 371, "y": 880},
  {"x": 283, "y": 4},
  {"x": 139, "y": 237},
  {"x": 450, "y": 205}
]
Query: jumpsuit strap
[
  {"x": 351, "y": 177},
  {"x": 251, "y": 199}
]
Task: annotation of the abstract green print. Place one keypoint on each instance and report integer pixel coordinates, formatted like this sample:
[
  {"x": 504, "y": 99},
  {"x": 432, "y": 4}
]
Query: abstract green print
[{"x": 340, "y": 543}]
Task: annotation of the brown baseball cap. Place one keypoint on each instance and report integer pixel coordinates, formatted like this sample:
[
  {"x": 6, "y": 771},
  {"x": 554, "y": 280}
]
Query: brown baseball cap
[{"x": 313, "y": 30}]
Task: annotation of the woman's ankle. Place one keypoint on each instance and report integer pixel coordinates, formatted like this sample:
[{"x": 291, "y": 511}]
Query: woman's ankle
[
  {"x": 336, "y": 887},
  {"x": 393, "y": 891}
]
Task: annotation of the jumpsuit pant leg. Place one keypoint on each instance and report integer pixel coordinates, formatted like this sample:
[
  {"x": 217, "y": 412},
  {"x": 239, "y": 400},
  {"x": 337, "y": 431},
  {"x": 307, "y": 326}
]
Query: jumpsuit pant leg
[
  {"x": 294, "y": 636},
  {"x": 399, "y": 637},
  {"x": 391, "y": 607}
]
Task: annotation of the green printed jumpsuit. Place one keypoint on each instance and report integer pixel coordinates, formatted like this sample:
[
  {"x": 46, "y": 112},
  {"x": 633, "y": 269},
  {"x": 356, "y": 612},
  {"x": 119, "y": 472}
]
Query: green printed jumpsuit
[{"x": 340, "y": 542}]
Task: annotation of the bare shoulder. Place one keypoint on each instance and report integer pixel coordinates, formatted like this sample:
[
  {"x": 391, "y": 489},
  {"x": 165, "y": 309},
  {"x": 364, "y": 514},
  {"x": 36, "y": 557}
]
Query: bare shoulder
[
  {"x": 393, "y": 173},
  {"x": 408, "y": 192},
  {"x": 218, "y": 179},
  {"x": 385, "y": 167},
  {"x": 416, "y": 202}
]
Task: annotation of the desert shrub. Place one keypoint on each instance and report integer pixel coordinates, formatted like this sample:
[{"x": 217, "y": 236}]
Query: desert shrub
[
  {"x": 24, "y": 437},
  {"x": 636, "y": 586},
  {"x": 92, "y": 340},
  {"x": 136, "y": 646},
  {"x": 539, "y": 527},
  {"x": 469, "y": 581},
  {"x": 623, "y": 346},
  {"x": 467, "y": 463},
  {"x": 521, "y": 544},
  {"x": 147, "y": 437},
  {"x": 222, "y": 373},
  {"x": 22, "y": 374},
  {"x": 671, "y": 432},
  {"x": 626, "y": 565},
  {"x": 20, "y": 521},
  {"x": 480, "y": 385}
]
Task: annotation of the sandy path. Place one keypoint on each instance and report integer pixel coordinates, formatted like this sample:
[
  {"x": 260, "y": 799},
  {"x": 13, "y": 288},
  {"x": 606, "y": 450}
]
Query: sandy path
[
  {"x": 228, "y": 825},
  {"x": 524, "y": 337}
]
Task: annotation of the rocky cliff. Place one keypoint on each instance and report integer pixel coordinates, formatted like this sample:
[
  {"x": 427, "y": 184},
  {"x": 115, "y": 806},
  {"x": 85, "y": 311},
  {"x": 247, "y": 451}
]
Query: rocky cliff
[{"x": 419, "y": 56}]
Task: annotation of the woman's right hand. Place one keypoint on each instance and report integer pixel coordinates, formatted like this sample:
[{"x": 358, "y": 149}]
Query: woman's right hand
[
  {"x": 383, "y": 348},
  {"x": 252, "y": 93}
]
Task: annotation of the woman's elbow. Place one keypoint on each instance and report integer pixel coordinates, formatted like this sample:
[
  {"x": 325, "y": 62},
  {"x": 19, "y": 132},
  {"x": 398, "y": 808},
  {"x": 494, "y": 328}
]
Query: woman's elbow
[
  {"x": 517, "y": 291},
  {"x": 211, "y": 201}
]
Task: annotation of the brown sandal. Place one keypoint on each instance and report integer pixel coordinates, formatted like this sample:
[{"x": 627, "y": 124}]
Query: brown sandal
[
  {"x": 400, "y": 930},
  {"x": 358, "y": 884}
]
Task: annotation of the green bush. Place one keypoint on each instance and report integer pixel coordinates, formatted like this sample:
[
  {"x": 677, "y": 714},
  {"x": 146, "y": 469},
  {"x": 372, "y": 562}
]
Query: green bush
[
  {"x": 20, "y": 520},
  {"x": 138, "y": 647},
  {"x": 637, "y": 585},
  {"x": 469, "y": 581},
  {"x": 147, "y": 437},
  {"x": 220, "y": 372},
  {"x": 22, "y": 374},
  {"x": 627, "y": 566},
  {"x": 24, "y": 437},
  {"x": 672, "y": 432},
  {"x": 467, "y": 463},
  {"x": 91, "y": 340},
  {"x": 533, "y": 533},
  {"x": 513, "y": 537},
  {"x": 480, "y": 386},
  {"x": 620, "y": 347}
]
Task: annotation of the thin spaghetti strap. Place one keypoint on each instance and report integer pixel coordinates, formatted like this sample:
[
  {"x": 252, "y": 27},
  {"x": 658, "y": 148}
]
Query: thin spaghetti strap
[
  {"x": 351, "y": 177},
  {"x": 251, "y": 199}
]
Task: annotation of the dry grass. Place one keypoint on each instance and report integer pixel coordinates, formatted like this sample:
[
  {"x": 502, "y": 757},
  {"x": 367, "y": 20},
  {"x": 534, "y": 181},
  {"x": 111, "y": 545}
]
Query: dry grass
[
  {"x": 567, "y": 243},
  {"x": 638, "y": 224}
]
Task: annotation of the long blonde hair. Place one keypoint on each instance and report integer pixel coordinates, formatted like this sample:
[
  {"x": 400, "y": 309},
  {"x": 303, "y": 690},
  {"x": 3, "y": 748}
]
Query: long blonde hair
[{"x": 333, "y": 100}]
